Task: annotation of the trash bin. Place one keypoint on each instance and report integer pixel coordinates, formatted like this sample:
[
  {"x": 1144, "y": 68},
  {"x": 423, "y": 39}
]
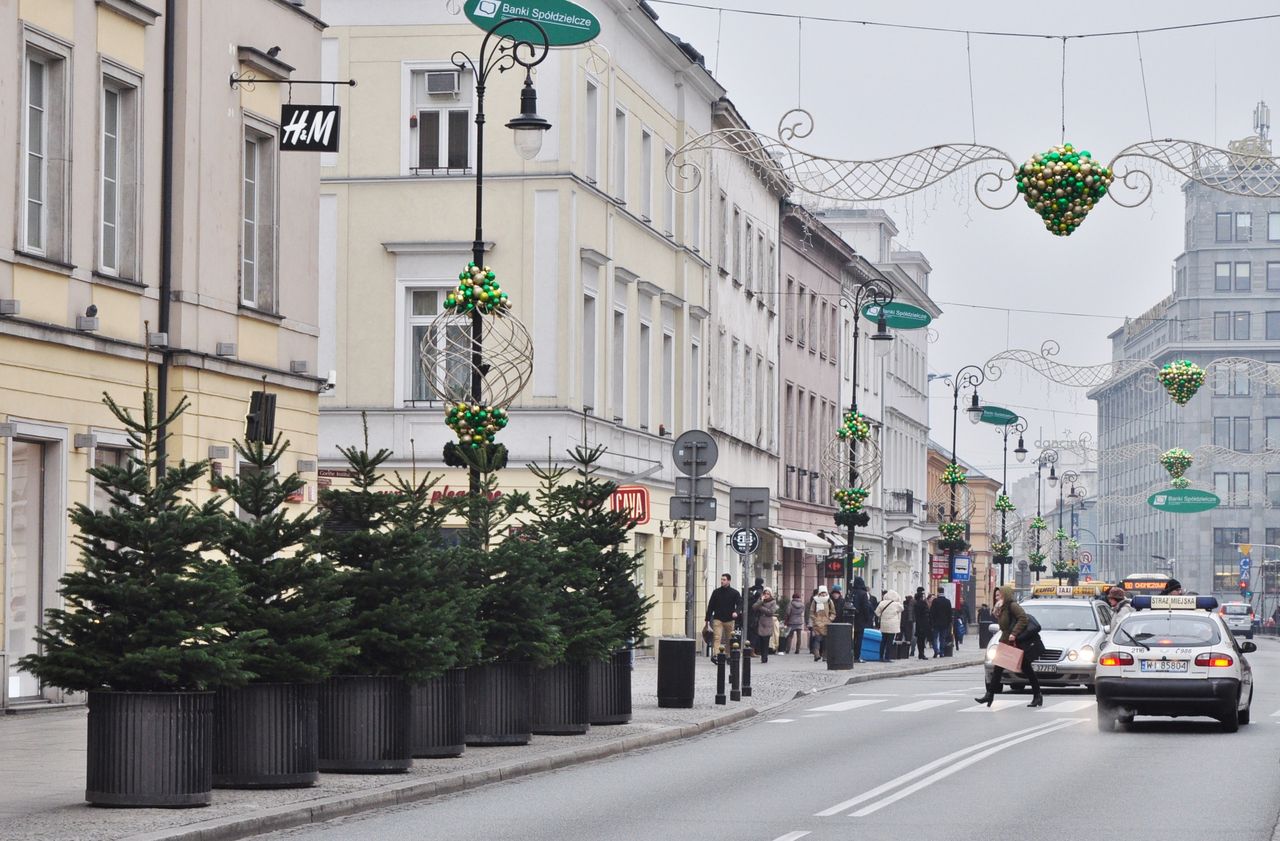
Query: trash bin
[
  {"x": 839, "y": 646},
  {"x": 870, "y": 644},
  {"x": 984, "y": 635},
  {"x": 676, "y": 656}
]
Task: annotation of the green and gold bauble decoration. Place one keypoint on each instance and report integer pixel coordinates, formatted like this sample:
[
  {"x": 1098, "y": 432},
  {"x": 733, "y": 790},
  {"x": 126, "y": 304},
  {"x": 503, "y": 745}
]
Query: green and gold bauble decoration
[
  {"x": 953, "y": 474},
  {"x": 1060, "y": 534},
  {"x": 1003, "y": 503},
  {"x": 1180, "y": 482},
  {"x": 850, "y": 499},
  {"x": 1036, "y": 561},
  {"x": 855, "y": 426},
  {"x": 1038, "y": 524},
  {"x": 478, "y": 290},
  {"x": 1002, "y": 551},
  {"x": 1062, "y": 185},
  {"x": 953, "y": 535},
  {"x": 1182, "y": 379},
  {"x": 1177, "y": 461},
  {"x": 475, "y": 425}
]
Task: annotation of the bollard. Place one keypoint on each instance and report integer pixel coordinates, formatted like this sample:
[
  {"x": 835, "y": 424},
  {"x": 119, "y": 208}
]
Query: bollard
[
  {"x": 720, "y": 676},
  {"x": 746, "y": 670},
  {"x": 735, "y": 656}
]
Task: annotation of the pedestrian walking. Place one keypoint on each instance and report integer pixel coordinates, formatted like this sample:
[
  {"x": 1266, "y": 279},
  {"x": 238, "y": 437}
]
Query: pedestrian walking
[
  {"x": 920, "y": 609},
  {"x": 940, "y": 620},
  {"x": 722, "y": 614},
  {"x": 860, "y": 610},
  {"x": 748, "y": 633},
  {"x": 909, "y": 623},
  {"x": 793, "y": 620},
  {"x": 764, "y": 614},
  {"x": 839, "y": 605},
  {"x": 889, "y": 612},
  {"x": 1172, "y": 587},
  {"x": 1120, "y": 605},
  {"x": 1015, "y": 629},
  {"x": 820, "y": 614},
  {"x": 957, "y": 626}
]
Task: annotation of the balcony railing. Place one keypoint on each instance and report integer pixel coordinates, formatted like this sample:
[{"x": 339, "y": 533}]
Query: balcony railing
[{"x": 900, "y": 502}]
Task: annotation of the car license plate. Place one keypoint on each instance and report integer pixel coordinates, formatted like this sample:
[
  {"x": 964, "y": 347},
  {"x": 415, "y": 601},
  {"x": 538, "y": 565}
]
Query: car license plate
[
  {"x": 1164, "y": 666},
  {"x": 1044, "y": 667}
]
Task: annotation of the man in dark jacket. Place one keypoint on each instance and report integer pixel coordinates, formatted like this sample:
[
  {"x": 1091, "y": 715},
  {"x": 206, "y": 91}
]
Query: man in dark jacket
[
  {"x": 940, "y": 620},
  {"x": 860, "y": 612},
  {"x": 754, "y": 592},
  {"x": 722, "y": 612},
  {"x": 920, "y": 609}
]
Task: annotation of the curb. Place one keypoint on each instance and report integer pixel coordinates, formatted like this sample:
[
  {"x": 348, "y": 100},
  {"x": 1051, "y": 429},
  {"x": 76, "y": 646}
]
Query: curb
[{"x": 339, "y": 805}]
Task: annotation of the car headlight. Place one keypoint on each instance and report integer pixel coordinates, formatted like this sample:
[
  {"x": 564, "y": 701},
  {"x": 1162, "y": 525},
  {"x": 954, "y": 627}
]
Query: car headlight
[{"x": 1085, "y": 654}]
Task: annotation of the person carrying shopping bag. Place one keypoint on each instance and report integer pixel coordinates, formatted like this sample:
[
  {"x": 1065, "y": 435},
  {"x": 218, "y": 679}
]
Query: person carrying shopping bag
[{"x": 1021, "y": 631}]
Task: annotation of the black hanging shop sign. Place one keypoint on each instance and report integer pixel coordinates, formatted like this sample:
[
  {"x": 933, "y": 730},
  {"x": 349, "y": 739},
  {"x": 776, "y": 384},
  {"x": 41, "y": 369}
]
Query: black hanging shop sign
[{"x": 309, "y": 128}]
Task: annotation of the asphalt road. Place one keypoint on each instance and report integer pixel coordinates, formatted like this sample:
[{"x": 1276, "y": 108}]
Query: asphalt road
[{"x": 904, "y": 757}]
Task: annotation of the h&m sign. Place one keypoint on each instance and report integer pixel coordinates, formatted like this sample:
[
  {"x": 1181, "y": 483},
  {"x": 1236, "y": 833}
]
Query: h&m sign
[{"x": 309, "y": 128}]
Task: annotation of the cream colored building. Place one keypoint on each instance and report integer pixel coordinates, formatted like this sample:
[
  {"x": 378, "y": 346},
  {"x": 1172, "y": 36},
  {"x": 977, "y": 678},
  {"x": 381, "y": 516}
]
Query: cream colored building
[
  {"x": 82, "y": 231},
  {"x": 606, "y": 264}
]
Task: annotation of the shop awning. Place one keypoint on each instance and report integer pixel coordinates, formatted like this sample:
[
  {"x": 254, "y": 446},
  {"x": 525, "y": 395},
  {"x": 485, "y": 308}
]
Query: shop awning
[{"x": 797, "y": 539}]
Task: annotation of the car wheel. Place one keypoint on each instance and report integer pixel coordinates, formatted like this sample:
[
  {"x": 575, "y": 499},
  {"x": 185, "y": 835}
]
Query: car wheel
[
  {"x": 1106, "y": 719},
  {"x": 1231, "y": 718},
  {"x": 1249, "y": 635},
  {"x": 1243, "y": 715}
]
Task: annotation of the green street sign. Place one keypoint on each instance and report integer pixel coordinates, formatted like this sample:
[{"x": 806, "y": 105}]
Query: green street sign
[
  {"x": 565, "y": 23},
  {"x": 899, "y": 316},
  {"x": 1184, "y": 501},
  {"x": 998, "y": 416}
]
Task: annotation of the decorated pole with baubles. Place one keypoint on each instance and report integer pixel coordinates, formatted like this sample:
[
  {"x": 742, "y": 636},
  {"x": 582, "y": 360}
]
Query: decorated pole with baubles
[
  {"x": 855, "y": 426},
  {"x": 1182, "y": 379},
  {"x": 953, "y": 474},
  {"x": 1062, "y": 185},
  {"x": 851, "y": 499},
  {"x": 478, "y": 289},
  {"x": 475, "y": 425}
]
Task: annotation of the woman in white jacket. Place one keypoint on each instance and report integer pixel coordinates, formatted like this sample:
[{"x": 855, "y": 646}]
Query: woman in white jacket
[{"x": 889, "y": 612}]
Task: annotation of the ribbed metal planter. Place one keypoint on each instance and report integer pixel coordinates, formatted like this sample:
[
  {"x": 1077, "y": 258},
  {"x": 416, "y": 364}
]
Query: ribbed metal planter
[
  {"x": 499, "y": 700},
  {"x": 611, "y": 689},
  {"x": 440, "y": 715},
  {"x": 561, "y": 700},
  {"x": 150, "y": 749},
  {"x": 364, "y": 725},
  {"x": 266, "y": 735}
]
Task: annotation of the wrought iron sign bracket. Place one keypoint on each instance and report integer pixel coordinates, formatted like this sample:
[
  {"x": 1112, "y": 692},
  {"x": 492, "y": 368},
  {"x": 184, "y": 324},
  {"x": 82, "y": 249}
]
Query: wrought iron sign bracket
[{"x": 249, "y": 81}]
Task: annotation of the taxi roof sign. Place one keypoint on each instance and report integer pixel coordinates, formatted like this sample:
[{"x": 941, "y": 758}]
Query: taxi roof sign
[{"x": 1174, "y": 603}]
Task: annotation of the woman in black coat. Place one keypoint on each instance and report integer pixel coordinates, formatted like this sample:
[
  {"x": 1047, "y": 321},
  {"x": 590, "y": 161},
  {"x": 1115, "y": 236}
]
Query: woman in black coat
[
  {"x": 1013, "y": 631},
  {"x": 920, "y": 611}
]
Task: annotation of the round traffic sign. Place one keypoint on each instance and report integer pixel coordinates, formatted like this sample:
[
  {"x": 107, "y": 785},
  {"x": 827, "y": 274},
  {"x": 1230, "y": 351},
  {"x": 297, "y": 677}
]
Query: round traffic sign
[
  {"x": 695, "y": 452},
  {"x": 744, "y": 541}
]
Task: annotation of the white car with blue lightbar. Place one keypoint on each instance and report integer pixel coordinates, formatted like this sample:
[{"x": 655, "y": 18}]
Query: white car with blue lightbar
[
  {"x": 1073, "y": 631},
  {"x": 1174, "y": 656}
]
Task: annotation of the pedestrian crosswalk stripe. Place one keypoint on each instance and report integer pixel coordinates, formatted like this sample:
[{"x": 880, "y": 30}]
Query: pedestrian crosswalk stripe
[
  {"x": 996, "y": 706},
  {"x": 1277, "y": 712},
  {"x": 1071, "y": 706},
  {"x": 780, "y": 721},
  {"x": 814, "y": 715},
  {"x": 917, "y": 706},
  {"x": 842, "y": 706}
]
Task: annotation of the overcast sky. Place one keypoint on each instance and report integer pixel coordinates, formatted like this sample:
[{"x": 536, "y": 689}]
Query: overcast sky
[{"x": 876, "y": 92}]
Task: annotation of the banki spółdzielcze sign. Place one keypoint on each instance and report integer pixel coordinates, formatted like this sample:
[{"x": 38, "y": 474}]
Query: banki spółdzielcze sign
[
  {"x": 309, "y": 128},
  {"x": 565, "y": 24}
]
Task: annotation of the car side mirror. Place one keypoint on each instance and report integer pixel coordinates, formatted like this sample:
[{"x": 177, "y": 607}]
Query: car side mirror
[
  {"x": 1248, "y": 647},
  {"x": 1106, "y": 629}
]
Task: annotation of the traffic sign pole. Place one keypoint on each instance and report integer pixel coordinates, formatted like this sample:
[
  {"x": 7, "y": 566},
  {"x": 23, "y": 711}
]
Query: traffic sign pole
[{"x": 694, "y": 454}]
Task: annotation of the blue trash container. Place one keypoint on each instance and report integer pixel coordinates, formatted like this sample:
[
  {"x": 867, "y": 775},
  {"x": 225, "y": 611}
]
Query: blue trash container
[{"x": 870, "y": 644}]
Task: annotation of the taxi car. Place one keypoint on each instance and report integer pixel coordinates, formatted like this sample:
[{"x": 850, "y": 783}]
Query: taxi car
[
  {"x": 1073, "y": 631},
  {"x": 1174, "y": 656}
]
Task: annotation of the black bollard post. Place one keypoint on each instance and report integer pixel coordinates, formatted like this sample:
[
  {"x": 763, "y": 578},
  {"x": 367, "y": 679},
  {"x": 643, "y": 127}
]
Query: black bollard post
[
  {"x": 746, "y": 669},
  {"x": 735, "y": 657},
  {"x": 720, "y": 677}
]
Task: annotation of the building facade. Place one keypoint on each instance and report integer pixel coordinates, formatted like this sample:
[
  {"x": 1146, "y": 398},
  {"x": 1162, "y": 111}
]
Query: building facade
[
  {"x": 98, "y": 260},
  {"x": 1224, "y": 315}
]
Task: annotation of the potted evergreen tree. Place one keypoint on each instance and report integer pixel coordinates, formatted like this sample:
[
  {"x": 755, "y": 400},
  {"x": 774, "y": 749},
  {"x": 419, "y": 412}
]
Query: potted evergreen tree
[
  {"x": 400, "y": 631},
  {"x": 266, "y": 733},
  {"x": 144, "y": 630}
]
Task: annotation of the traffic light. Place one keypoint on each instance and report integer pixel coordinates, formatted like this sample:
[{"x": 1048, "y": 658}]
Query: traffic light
[{"x": 1120, "y": 541}]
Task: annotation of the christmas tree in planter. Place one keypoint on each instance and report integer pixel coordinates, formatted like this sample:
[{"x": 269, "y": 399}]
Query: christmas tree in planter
[
  {"x": 402, "y": 630},
  {"x": 144, "y": 630},
  {"x": 592, "y": 577},
  {"x": 288, "y": 615}
]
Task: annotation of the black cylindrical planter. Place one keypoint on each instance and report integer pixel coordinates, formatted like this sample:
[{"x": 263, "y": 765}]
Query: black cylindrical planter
[
  {"x": 364, "y": 725},
  {"x": 611, "y": 689},
  {"x": 439, "y": 726},
  {"x": 265, "y": 735},
  {"x": 561, "y": 702},
  {"x": 150, "y": 749},
  {"x": 676, "y": 656},
  {"x": 839, "y": 646},
  {"x": 499, "y": 700}
]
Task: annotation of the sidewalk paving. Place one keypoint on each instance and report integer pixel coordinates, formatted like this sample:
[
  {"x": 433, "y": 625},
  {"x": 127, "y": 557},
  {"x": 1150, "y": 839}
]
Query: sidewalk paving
[{"x": 42, "y": 760}]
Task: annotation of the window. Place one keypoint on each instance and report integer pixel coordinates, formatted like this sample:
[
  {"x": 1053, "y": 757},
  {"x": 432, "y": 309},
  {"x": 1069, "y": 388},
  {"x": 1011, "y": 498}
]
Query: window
[
  {"x": 1273, "y": 490},
  {"x": 646, "y": 175},
  {"x": 1222, "y": 433},
  {"x": 620, "y": 155},
  {"x": 789, "y": 311},
  {"x": 258, "y": 246},
  {"x": 1240, "y": 324},
  {"x": 643, "y": 389},
  {"x": 695, "y": 387},
  {"x": 1222, "y": 227},
  {"x": 618, "y": 372},
  {"x": 668, "y": 195},
  {"x": 118, "y": 187},
  {"x": 37, "y": 153},
  {"x": 693, "y": 210},
  {"x": 1273, "y": 277},
  {"x": 1273, "y": 434},
  {"x": 1244, "y": 280},
  {"x": 1221, "y": 326},
  {"x": 588, "y": 353},
  {"x": 1240, "y": 434},
  {"x": 440, "y": 124},
  {"x": 823, "y": 338},
  {"x": 1232, "y": 489},
  {"x": 44, "y": 152},
  {"x": 1226, "y": 557},
  {"x": 450, "y": 373},
  {"x": 106, "y": 457},
  {"x": 668, "y": 381},
  {"x": 750, "y": 246},
  {"x": 722, "y": 221},
  {"x": 1222, "y": 277},
  {"x": 592, "y": 128},
  {"x": 735, "y": 241},
  {"x": 1273, "y": 227},
  {"x": 1244, "y": 227}
]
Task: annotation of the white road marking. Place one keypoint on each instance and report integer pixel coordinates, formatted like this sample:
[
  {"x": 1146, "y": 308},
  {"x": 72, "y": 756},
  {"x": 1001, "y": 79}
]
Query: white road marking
[
  {"x": 780, "y": 721},
  {"x": 1277, "y": 712},
  {"x": 792, "y": 836},
  {"x": 1060, "y": 724},
  {"x": 842, "y": 706},
  {"x": 996, "y": 706},
  {"x": 815, "y": 715},
  {"x": 925, "y": 769},
  {"x": 1072, "y": 706},
  {"x": 917, "y": 706}
]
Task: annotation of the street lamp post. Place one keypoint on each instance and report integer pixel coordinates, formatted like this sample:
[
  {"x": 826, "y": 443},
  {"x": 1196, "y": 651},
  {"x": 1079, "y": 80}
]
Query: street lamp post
[
  {"x": 1020, "y": 453},
  {"x": 501, "y": 52},
  {"x": 876, "y": 292},
  {"x": 970, "y": 376},
  {"x": 1048, "y": 456}
]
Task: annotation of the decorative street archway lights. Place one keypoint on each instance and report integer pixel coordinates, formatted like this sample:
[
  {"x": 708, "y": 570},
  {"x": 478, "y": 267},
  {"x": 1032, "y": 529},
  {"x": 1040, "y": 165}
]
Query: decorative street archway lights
[
  {"x": 1003, "y": 504},
  {"x": 970, "y": 377},
  {"x": 1048, "y": 457}
]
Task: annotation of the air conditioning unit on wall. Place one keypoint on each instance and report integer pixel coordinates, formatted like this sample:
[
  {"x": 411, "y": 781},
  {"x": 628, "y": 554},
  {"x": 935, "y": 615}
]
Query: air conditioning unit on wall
[{"x": 443, "y": 82}]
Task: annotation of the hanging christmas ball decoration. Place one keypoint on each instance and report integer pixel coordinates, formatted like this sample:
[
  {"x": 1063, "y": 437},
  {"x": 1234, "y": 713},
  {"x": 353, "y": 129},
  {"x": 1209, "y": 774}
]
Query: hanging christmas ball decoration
[
  {"x": 475, "y": 425},
  {"x": 1181, "y": 482},
  {"x": 855, "y": 426},
  {"x": 1003, "y": 503},
  {"x": 1059, "y": 535},
  {"x": 478, "y": 291},
  {"x": 1062, "y": 185},
  {"x": 953, "y": 474},
  {"x": 1038, "y": 524},
  {"x": 952, "y": 529},
  {"x": 851, "y": 499},
  {"x": 1001, "y": 548},
  {"x": 1176, "y": 461},
  {"x": 1182, "y": 379}
]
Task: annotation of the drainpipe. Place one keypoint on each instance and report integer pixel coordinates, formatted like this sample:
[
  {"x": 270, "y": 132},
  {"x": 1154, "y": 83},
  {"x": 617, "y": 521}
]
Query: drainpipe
[{"x": 166, "y": 220}]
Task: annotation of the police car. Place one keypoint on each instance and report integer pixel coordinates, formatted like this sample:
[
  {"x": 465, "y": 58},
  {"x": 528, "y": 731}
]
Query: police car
[
  {"x": 1174, "y": 656},
  {"x": 1073, "y": 628}
]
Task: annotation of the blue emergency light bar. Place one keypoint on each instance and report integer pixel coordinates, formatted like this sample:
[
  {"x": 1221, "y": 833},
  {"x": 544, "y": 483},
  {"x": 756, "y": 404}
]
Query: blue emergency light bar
[{"x": 1174, "y": 603}]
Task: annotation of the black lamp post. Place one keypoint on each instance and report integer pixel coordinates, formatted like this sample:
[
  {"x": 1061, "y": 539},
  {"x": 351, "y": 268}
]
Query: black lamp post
[
  {"x": 1020, "y": 453},
  {"x": 970, "y": 376},
  {"x": 502, "y": 52},
  {"x": 877, "y": 292},
  {"x": 1068, "y": 479},
  {"x": 1048, "y": 456}
]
